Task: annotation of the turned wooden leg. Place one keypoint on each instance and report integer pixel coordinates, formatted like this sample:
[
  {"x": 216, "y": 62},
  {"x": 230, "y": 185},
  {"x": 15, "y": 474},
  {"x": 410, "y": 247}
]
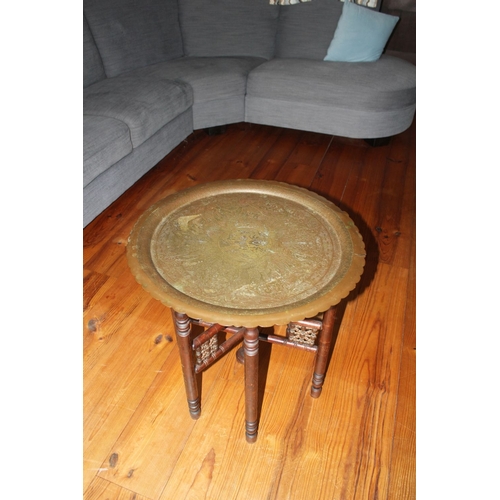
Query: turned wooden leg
[
  {"x": 182, "y": 325},
  {"x": 324, "y": 341},
  {"x": 251, "y": 349}
]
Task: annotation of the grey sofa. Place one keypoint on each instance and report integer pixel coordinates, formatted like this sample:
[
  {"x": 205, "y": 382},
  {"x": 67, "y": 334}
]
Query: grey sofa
[{"x": 156, "y": 70}]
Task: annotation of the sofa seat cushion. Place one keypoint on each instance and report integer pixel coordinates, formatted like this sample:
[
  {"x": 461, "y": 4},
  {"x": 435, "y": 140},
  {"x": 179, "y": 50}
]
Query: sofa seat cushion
[
  {"x": 218, "y": 83},
  {"x": 389, "y": 83},
  {"x": 210, "y": 77},
  {"x": 105, "y": 141},
  {"x": 145, "y": 104}
]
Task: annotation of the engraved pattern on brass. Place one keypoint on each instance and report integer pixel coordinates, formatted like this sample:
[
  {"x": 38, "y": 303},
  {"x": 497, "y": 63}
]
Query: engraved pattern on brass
[
  {"x": 246, "y": 252},
  {"x": 250, "y": 251}
]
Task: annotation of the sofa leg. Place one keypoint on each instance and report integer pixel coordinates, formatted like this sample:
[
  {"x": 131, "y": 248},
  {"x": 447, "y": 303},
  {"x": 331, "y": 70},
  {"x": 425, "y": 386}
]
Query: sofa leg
[
  {"x": 378, "y": 141},
  {"x": 216, "y": 130}
]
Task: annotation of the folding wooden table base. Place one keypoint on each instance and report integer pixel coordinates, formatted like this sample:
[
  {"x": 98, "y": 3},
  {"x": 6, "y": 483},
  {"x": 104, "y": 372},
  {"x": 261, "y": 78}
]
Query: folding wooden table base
[{"x": 203, "y": 350}]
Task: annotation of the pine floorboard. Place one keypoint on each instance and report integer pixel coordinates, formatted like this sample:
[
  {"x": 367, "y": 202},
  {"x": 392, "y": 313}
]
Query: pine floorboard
[{"x": 357, "y": 441}]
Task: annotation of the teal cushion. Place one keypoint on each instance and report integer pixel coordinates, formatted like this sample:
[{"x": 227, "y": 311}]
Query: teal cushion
[{"x": 361, "y": 34}]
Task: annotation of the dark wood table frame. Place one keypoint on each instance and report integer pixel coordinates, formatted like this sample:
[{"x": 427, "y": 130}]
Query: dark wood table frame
[{"x": 251, "y": 337}]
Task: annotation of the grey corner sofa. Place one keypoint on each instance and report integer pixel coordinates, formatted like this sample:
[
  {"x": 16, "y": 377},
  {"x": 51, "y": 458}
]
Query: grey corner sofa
[{"x": 155, "y": 70}]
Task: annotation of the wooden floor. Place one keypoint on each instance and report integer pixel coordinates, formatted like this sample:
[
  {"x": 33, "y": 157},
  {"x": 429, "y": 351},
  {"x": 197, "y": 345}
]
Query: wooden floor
[{"x": 357, "y": 441}]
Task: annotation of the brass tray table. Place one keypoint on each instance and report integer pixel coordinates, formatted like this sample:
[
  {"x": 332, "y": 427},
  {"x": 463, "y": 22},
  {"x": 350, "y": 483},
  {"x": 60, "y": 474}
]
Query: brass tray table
[{"x": 236, "y": 255}]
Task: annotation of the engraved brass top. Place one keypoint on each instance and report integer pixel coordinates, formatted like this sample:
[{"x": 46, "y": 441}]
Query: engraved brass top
[{"x": 246, "y": 252}]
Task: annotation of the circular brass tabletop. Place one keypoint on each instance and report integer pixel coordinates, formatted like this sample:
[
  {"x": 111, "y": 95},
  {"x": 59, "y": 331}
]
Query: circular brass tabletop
[{"x": 246, "y": 253}]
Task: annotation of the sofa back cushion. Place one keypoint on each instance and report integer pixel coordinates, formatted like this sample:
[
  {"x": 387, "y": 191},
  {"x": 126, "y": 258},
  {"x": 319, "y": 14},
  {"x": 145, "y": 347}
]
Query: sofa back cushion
[
  {"x": 131, "y": 34},
  {"x": 93, "y": 70},
  {"x": 305, "y": 30},
  {"x": 228, "y": 27}
]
